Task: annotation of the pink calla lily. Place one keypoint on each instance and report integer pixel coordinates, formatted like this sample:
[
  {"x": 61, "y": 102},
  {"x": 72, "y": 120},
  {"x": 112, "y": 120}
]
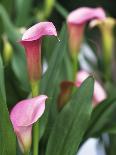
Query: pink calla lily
[
  {"x": 99, "y": 93},
  {"x": 31, "y": 41},
  {"x": 76, "y": 21},
  {"x": 23, "y": 115}
]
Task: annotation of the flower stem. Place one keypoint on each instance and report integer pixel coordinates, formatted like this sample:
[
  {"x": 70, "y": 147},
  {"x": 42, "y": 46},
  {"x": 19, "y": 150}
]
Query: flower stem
[
  {"x": 35, "y": 138},
  {"x": 35, "y": 92},
  {"x": 26, "y": 153},
  {"x": 75, "y": 67}
]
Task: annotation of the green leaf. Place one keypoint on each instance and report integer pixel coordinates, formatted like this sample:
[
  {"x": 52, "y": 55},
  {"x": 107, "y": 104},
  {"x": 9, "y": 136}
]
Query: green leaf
[
  {"x": 72, "y": 122},
  {"x": 49, "y": 83},
  {"x": 7, "y": 136},
  {"x": 101, "y": 116},
  {"x": 49, "y": 80}
]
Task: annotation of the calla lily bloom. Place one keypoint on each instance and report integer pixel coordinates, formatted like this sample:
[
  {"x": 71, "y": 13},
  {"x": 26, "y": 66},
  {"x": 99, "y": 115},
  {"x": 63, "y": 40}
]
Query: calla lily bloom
[
  {"x": 99, "y": 93},
  {"x": 23, "y": 115},
  {"x": 31, "y": 40},
  {"x": 66, "y": 87},
  {"x": 76, "y": 22}
]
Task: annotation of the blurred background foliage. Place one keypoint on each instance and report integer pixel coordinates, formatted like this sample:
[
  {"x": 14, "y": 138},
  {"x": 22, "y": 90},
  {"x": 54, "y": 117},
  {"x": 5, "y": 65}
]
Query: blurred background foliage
[{"x": 15, "y": 16}]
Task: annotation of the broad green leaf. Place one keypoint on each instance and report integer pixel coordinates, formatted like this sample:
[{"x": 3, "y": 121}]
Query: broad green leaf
[
  {"x": 49, "y": 83},
  {"x": 49, "y": 79},
  {"x": 72, "y": 122},
  {"x": 101, "y": 116},
  {"x": 7, "y": 137}
]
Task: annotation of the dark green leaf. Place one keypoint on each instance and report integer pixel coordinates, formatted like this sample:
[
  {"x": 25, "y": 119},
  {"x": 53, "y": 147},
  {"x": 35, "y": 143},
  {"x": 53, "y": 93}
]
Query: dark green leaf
[
  {"x": 101, "y": 116},
  {"x": 49, "y": 82},
  {"x": 7, "y": 137},
  {"x": 72, "y": 122}
]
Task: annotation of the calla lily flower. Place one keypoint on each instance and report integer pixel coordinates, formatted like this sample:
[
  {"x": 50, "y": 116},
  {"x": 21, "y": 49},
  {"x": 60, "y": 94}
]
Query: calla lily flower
[
  {"x": 23, "y": 115},
  {"x": 99, "y": 93},
  {"x": 31, "y": 40},
  {"x": 76, "y": 22},
  {"x": 66, "y": 87}
]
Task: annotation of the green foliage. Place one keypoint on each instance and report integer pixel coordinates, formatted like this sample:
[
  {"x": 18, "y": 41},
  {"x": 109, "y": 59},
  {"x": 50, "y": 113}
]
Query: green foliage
[
  {"x": 72, "y": 122},
  {"x": 7, "y": 137},
  {"x": 102, "y": 116},
  {"x": 50, "y": 81},
  {"x": 61, "y": 133}
]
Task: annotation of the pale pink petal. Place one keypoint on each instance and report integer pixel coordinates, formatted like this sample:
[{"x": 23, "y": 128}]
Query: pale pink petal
[
  {"x": 39, "y": 30},
  {"x": 28, "y": 111},
  {"x": 99, "y": 93},
  {"x": 24, "y": 114},
  {"x": 81, "y": 76},
  {"x": 24, "y": 136},
  {"x": 84, "y": 14}
]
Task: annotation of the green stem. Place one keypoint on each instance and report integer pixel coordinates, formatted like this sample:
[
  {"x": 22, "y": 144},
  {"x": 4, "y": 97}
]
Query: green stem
[
  {"x": 75, "y": 67},
  {"x": 35, "y": 92},
  {"x": 35, "y": 88},
  {"x": 26, "y": 153},
  {"x": 35, "y": 138}
]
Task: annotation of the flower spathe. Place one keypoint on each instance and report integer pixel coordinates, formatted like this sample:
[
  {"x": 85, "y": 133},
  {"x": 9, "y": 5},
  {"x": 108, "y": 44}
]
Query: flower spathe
[
  {"x": 76, "y": 21},
  {"x": 31, "y": 40},
  {"x": 99, "y": 93},
  {"x": 23, "y": 115}
]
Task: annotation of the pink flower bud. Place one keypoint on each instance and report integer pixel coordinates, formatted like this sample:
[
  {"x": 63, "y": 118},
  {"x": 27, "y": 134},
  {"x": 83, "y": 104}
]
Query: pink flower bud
[{"x": 23, "y": 115}]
